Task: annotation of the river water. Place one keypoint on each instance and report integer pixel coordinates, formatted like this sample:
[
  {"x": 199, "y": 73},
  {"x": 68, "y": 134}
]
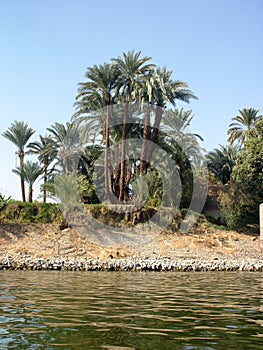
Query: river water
[{"x": 131, "y": 310}]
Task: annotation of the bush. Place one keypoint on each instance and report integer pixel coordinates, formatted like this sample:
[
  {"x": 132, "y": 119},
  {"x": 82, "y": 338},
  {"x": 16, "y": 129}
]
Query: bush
[
  {"x": 23, "y": 212},
  {"x": 237, "y": 205}
]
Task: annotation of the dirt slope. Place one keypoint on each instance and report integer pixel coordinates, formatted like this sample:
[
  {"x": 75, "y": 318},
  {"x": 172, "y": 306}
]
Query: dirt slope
[{"x": 46, "y": 241}]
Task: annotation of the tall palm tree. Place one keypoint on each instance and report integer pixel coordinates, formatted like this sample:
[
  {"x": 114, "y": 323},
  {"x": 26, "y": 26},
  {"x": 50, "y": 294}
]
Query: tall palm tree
[
  {"x": 132, "y": 70},
  {"x": 221, "y": 161},
  {"x": 19, "y": 133},
  {"x": 133, "y": 130},
  {"x": 164, "y": 90},
  {"x": 146, "y": 100},
  {"x": 30, "y": 173},
  {"x": 46, "y": 150},
  {"x": 96, "y": 93},
  {"x": 242, "y": 125}
]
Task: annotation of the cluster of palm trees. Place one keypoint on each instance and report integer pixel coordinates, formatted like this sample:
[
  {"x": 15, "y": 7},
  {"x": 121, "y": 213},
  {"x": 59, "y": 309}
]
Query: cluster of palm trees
[
  {"x": 131, "y": 82},
  {"x": 29, "y": 171},
  {"x": 221, "y": 161},
  {"x": 128, "y": 80},
  {"x": 236, "y": 169},
  {"x": 19, "y": 133}
]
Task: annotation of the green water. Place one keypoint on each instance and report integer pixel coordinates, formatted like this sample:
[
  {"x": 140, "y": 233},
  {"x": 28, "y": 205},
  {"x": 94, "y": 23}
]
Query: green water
[{"x": 120, "y": 310}]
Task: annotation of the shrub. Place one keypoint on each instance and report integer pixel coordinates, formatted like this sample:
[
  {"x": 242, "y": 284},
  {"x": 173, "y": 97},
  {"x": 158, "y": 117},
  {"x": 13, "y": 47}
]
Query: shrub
[
  {"x": 23, "y": 212},
  {"x": 237, "y": 205}
]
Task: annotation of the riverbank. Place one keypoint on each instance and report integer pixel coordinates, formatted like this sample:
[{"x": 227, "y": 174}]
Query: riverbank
[
  {"x": 46, "y": 247},
  {"x": 131, "y": 264}
]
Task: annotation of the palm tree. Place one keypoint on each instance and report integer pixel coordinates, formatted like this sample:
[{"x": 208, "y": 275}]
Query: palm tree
[
  {"x": 59, "y": 131},
  {"x": 242, "y": 125},
  {"x": 133, "y": 130},
  {"x": 163, "y": 89},
  {"x": 178, "y": 120},
  {"x": 175, "y": 126},
  {"x": 132, "y": 70},
  {"x": 221, "y": 162},
  {"x": 67, "y": 139},
  {"x": 98, "y": 91},
  {"x": 30, "y": 173},
  {"x": 19, "y": 133},
  {"x": 46, "y": 150},
  {"x": 95, "y": 94},
  {"x": 166, "y": 90}
]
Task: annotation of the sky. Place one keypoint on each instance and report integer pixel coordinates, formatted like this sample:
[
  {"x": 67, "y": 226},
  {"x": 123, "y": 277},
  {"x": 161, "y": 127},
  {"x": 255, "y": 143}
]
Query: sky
[{"x": 46, "y": 46}]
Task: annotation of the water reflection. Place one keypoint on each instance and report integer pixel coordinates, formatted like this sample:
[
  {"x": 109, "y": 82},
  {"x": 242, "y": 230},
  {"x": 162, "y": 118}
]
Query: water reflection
[{"x": 97, "y": 310}]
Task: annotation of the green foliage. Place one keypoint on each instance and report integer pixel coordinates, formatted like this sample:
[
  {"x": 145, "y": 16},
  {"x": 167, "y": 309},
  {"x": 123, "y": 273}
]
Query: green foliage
[
  {"x": 247, "y": 181},
  {"x": 129, "y": 78},
  {"x": 216, "y": 225},
  {"x": 243, "y": 125},
  {"x": 249, "y": 165},
  {"x": 237, "y": 205},
  {"x": 98, "y": 91},
  {"x": 155, "y": 188},
  {"x": 30, "y": 172},
  {"x": 46, "y": 150},
  {"x": 221, "y": 162},
  {"x": 239, "y": 169},
  {"x": 19, "y": 133},
  {"x": 21, "y": 212},
  {"x": 132, "y": 79},
  {"x": 4, "y": 200}
]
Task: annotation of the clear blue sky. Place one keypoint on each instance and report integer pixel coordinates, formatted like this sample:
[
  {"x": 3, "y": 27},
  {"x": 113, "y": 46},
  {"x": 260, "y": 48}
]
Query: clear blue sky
[{"x": 46, "y": 46}]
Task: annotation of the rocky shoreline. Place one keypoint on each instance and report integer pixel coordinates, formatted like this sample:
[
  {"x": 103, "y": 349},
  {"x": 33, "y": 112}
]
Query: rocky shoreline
[
  {"x": 131, "y": 264},
  {"x": 45, "y": 247}
]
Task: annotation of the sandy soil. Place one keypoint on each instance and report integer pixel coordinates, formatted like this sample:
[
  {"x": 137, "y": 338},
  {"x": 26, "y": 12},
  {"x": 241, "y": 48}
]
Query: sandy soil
[{"x": 47, "y": 241}]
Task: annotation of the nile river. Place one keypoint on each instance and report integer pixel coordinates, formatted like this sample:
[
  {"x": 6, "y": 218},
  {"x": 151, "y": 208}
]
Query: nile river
[{"x": 131, "y": 310}]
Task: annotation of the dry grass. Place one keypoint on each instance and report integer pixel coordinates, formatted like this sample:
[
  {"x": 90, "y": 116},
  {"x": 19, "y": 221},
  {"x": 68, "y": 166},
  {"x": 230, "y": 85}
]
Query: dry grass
[{"x": 45, "y": 241}]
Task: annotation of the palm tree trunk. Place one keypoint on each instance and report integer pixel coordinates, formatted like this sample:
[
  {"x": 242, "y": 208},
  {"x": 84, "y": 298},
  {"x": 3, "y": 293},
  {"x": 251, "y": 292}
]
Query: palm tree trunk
[
  {"x": 45, "y": 185},
  {"x": 157, "y": 122},
  {"x": 123, "y": 151},
  {"x": 30, "y": 194},
  {"x": 145, "y": 137},
  {"x": 156, "y": 126},
  {"x": 107, "y": 160},
  {"x": 116, "y": 174},
  {"x": 22, "y": 181}
]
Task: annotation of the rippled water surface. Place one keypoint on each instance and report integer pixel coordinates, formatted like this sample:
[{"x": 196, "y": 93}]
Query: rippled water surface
[{"x": 120, "y": 310}]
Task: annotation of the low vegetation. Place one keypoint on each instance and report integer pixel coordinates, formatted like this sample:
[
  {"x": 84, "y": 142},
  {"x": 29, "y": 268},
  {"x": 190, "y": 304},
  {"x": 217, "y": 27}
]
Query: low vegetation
[{"x": 23, "y": 212}]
